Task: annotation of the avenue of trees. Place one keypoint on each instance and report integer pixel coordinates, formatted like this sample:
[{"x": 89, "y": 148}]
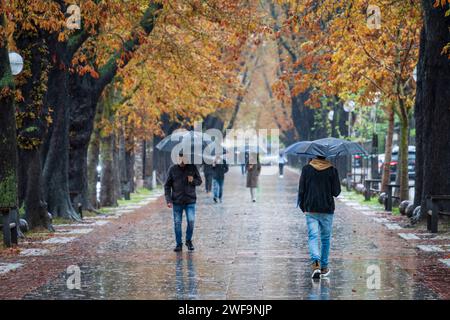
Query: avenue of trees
[
  {"x": 340, "y": 51},
  {"x": 136, "y": 70}
]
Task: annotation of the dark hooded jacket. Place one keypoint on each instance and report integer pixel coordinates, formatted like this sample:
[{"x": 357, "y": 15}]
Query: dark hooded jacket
[
  {"x": 319, "y": 183},
  {"x": 177, "y": 189},
  {"x": 219, "y": 170}
]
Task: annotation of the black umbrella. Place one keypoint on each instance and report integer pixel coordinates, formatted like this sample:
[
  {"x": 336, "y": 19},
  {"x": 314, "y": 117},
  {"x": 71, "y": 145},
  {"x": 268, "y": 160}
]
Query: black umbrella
[
  {"x": 328, "y": 147},
  {"x": 192, "y": 139}
]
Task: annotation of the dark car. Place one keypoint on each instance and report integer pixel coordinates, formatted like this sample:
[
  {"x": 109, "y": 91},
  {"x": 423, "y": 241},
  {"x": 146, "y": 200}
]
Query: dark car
[{"x": 411, "y": 163}]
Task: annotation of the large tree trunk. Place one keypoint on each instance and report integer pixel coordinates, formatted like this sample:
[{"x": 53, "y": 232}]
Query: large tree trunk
[
  {"x": 302, "y": 116},
  {"x": 84, "y": 96},
  {"x": 8, "y": 145},
  {"x": 35, "y": 208},
  {"x": 388, "y": 152},
  {"x": 108, "y": 194},
  {"x": 32, "y": 114},
  {"x": 432, "y": 106},
  {"x": 56, "y": 152}
]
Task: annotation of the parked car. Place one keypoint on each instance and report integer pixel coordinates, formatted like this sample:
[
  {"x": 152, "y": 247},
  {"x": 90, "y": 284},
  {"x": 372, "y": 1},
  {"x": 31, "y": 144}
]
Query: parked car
[
  {"x": 269, "y": 160},
  {"x": 411, "y": 162},
  {"x": 357, "y": 161}
]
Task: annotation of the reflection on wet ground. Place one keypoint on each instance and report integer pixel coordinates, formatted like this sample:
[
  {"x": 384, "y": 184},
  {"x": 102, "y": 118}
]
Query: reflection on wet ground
[{"x": 244, "y": 250}]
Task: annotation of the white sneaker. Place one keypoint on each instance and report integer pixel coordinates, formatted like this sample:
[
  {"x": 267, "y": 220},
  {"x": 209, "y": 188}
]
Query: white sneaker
[{"x": 325, "y": 272}]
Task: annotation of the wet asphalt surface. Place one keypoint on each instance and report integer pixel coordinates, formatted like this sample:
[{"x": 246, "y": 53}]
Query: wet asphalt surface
[{"x": 244, "y": 250}]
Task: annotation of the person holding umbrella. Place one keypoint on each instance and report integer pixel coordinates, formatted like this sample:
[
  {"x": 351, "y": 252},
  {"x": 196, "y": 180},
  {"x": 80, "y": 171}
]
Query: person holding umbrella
[
  {"x": 179, "y": 189},
  {"x": 319, "y": 183},
  {"x": 253, "y": 169}
]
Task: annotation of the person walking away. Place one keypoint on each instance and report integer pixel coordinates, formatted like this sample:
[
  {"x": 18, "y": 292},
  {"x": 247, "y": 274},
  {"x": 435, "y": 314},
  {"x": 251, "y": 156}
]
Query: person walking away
[
  {"x": 220, "y": 168},
  {"x": 319, "y": 183},
  {"x": 244, "y": 163},
  {"x": 281, "y": 163},
  {"x": 208, "y": 173},
  {"x": 179, "y": 189},
  {"x": 253, "y": 169}
]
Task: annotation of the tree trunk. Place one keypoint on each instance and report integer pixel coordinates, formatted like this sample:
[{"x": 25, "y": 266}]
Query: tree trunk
[
  {"x": 84, "y": 98},
  {"x": 93, "y": 160},
  {"x": 56, "y": 153},
  {"x": 388, "y": 152},
  {"x": 8, "y": 139},
  {"x": 108, "y": 194},
  {"x": 432, "y": 105},
  {"x": 403, "y": 158},
  {"x": 148, "y": 165},
  {"x": 32, "y": 113},
  {"x": 116, "y": 166},
  {"x": 35, "y": 208}
]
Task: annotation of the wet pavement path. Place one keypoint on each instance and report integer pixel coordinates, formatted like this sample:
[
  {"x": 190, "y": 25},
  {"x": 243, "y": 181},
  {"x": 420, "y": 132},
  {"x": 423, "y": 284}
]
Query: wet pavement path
[{"x": 244, "y": 250}]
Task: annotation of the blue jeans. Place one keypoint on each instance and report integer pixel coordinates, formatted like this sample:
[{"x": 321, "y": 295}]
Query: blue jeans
[
  {"x": 178, "y": 218},
  {"x": 319, "y": 224},
  {"x": 218, "y": 188}
]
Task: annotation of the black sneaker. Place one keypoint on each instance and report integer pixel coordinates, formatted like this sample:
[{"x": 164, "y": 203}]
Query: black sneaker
[
  {"x": 178, "y": 248},
  {"x": 215, "y": 200},
  {"x": 315, "y": 270},
  {"x": 190, "y": 245}
]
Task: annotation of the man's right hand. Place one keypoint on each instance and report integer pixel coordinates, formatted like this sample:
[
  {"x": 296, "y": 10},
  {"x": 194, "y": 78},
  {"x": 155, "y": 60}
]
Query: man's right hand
[{"x": 169, "y": 205}]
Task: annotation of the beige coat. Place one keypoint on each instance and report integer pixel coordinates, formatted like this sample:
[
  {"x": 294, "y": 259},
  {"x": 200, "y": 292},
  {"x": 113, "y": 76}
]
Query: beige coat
[{"x": 253, "y": 175}]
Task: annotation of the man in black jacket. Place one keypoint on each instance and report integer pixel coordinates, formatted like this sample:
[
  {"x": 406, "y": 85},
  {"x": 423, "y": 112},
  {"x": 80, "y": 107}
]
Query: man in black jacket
[
  {"x": 319, "y": 183},
  {"x": 180, "y": 195},
  {"x": 220, "y": 167}
]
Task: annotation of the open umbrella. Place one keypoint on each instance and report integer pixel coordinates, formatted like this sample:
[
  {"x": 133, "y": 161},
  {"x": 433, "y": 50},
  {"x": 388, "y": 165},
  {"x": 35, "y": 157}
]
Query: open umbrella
[
  {"x": 328, "y": 147},
  {"x": 194, "y": 139}
]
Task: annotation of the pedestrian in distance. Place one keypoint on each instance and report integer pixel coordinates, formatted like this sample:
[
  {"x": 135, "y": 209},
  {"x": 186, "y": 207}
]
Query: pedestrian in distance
[
  {"x": 281, "y": 163},
  {"x": 319, "y": 184},
  {"x": 208, "y": 173},
  {"x": 253, "y": 168},
  {"x": 180, "y": 193},
  {"x": 244, "y": 163},
  {"x": 220, "y": 168}
]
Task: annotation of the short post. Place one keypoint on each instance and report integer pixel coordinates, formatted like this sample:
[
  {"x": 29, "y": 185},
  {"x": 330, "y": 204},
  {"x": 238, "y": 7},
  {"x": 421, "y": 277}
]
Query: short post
[
  {"x": 349, "y": 175},
  {"x": 80, "y": 210},
  {"x": 14, "y": 216},
  {"x": 388, "y": 206},
  {"x": 434, "y": 217},
  {"x": 367, "y": 191}
]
